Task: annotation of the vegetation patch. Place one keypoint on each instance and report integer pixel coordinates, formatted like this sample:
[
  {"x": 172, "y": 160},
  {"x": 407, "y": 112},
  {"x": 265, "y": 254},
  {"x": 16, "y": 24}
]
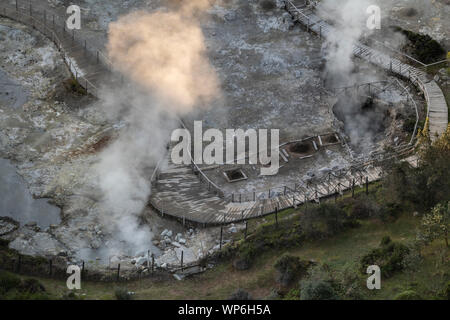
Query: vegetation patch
[
  {"x": 423, "y": 47},
  {"x": 389, "y": 257},
  {"x": 73, "y": 86},
  {"x": 408, "y": 295},
  {"x": 12, "y": 287},
  {"x": 289, "y": 269}
]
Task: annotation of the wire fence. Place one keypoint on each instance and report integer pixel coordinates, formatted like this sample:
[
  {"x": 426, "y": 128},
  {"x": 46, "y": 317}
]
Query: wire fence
[{"x": 69, "y": 43}]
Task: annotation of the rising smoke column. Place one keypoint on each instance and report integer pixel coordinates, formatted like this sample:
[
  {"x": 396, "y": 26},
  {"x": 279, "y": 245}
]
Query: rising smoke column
[
  {"x": 163, "y": 54},
  {"x": 351, "y": 19}
]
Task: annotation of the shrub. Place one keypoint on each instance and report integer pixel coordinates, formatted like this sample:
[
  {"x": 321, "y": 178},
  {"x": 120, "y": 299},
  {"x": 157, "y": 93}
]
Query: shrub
[
  {"x": 322, "y": 221},
  {"x": 424, "y": 47},
  {"x": 288, "y": 268},
  {"x": 365, "y": 207},
  {"x": 8, "y": 281},
  {"x": 4, "y": 243},
  {"x": 385, "y": 241},
  {"x": 351, "y": 282},
  {"x": 319, "y": 285},
  {"x": 32, "y": 286},
  {"x": 293, "y": 294},
  {"x": 315, "y": 289},
  {"x": 122, "y": 294},
  {"x": 72, "y": 85},
  {"x": 446, "y": 291},
  {"x": 389, "y": 256},
  {"x": 70, "y": 296},
  {"x": 240, "y": 294},
  {"x": 245, "y": 257},
  {"x": 407, "y": 295}
]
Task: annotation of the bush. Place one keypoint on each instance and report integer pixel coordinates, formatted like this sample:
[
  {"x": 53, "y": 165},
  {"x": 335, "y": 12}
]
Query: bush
[
  {"x": 317, "y": 290},
  {"x": 288, "y": 268},
  {"x": 407, "y": 295},
  {"x": 293, "y": 294},
  {"x": 32, "y": 286},
  {"x": 325, "y": 220},
  {"x": 122, "y": 294},
  {"x": 71, "y": 296},
  {"x": 12, "y": 287},
  {"x": 424, "y": 47},
  {"x": 352, "y": 285},
  {"x": 8, "y": 281},
  {"x": 72, "y": 85},
  {"x": 319, "y": 285},
  {"x": 4, "y": 243},
  {"x": 424, "y": 186},
  {"x": 267, "y": 237},
  {"x": 389, "y": 257},
  {"x": 446, "y": 291},
  {"x": 245, "y": 257},
  {"x": 240, "y": 294},
  {"x": 365, "y": 207}
]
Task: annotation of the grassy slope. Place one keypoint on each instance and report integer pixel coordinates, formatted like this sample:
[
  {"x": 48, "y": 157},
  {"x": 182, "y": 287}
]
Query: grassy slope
[{"x": 338, "y": 252}]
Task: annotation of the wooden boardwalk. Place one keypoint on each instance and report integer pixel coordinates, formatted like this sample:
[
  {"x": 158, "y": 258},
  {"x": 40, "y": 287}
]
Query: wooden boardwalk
[
  {"x": 89, "y": 66},
  {"x": 437, "y": 107},
  {"x": 178, "y": 192}
]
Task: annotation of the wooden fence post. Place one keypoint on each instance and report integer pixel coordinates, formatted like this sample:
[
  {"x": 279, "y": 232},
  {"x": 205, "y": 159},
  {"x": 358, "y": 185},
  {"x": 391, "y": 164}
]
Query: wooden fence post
[
  {"x": 182, "y": 256},
  {"x": 221, "y": 235},
  {"x": 276, "y": 216},
  {"x": 367, "y": 185},
  {"x": 153, "y": 263},
  {"x": 50, "y": 267},
  {"x": 353, "y": 188},
  {"x": 246, "y": 226}
]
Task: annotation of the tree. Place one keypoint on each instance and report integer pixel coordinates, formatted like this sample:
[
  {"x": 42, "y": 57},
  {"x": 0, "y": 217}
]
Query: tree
[
  {"x": 436, "y": 224},
  {"x": 423, "y": 186}
]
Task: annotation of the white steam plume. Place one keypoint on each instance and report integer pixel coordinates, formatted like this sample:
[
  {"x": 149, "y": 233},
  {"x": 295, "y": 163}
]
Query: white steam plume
[
  {"x": 163, "y": 55},
  {"x": 351, "y": 24}
]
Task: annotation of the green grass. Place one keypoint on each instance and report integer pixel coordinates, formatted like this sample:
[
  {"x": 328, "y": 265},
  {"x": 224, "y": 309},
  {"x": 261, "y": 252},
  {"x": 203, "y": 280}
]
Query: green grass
[{"x": 338, "y": 252}]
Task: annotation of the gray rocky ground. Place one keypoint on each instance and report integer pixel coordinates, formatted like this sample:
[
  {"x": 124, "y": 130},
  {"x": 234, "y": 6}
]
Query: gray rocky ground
[{"x": 271, "y": 75}]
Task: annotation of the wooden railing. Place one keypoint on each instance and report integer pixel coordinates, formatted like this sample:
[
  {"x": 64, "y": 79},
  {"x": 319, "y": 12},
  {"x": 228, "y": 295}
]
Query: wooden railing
[{"x": 54, "y": 28}]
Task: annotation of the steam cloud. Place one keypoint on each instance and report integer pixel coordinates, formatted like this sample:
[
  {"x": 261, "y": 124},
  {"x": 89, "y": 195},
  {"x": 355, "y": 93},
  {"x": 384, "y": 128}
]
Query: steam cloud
[
  {"x": 351, "y": 19},
  {"x": 164, "y": 56},
  {"x": 165, "y": 52}
]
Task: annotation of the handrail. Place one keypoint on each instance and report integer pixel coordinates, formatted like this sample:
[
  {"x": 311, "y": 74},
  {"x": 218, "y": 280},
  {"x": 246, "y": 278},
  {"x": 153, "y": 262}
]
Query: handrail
[
  {"x": 48, "y": 28},
  {"x": 218, "y": 190}
]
